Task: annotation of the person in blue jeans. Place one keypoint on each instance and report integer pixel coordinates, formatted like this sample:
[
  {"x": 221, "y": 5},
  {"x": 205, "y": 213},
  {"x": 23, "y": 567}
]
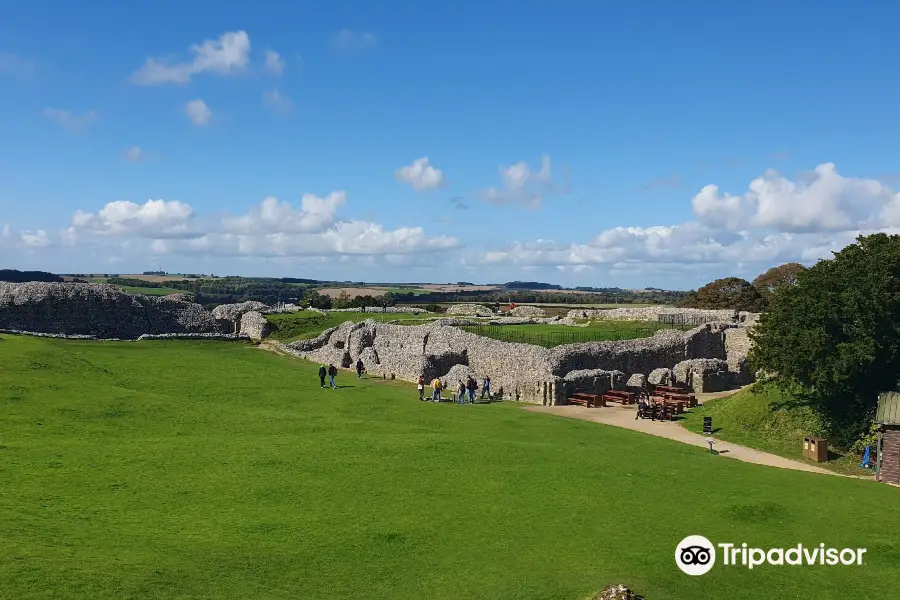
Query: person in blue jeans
[
  {"x": 332, "y": 373},
  {"x": 486, "y": 388},
  {"x": 471, "y": 387}
]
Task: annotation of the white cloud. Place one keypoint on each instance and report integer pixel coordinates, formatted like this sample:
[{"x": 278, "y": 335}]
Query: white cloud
[
  {"x": 347, "y": 40},
  {"x": 274, "y": 216},
  {"x": 274, "y": 63},
  {"x": 229, "y": 54},
  {"x": 277, "y": 102},
  {"x": 17, "y": 66},
  {"x": 198, "y": 112},
  {"x": 776, "y": 221},
  {"x": 72, "y": 121},
  {"x": 35, "y": 239},
  {"x": 153, "y": 219},
  {"x": 134, "y": 154},
  {"x": 420, "y": 175},
  {"x": 521, "y": 185},
  {"x": 820, "y": 201}
]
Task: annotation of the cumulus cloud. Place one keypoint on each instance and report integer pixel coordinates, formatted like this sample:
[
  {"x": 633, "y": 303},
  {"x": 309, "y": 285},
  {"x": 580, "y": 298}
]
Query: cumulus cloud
[
  {"x": 198, "y": 112},
  {"x": 820, "y": 201},
  {"x": 421, "y": 175},
  {"x": 229, "y": 54},
  {"x": 153, "y": 219},
  {"x": 274, "y": 63},
  {"x": 522, "y": 186},
  {"x": 72, "y": 121},
  {"x": 346, "y": 40},
  {"x": 776, "y": 221},
  {"x": 274, "y": 216},
  {"x": 277, "y": 102}
]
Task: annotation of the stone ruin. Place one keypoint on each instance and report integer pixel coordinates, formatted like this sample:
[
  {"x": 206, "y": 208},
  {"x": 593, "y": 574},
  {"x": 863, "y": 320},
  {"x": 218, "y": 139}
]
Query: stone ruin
[
  {"x": 710, "y": 357},
  {"x": 100, "y": 311},
  {"x": 469, "y": 310},
  {"x": 707, "y": 358},
  {"x": 528, "y": 311}
]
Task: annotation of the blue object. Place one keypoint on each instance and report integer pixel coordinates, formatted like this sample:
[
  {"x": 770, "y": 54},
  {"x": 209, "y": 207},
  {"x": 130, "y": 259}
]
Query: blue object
[{"x": 865, "y": 460}]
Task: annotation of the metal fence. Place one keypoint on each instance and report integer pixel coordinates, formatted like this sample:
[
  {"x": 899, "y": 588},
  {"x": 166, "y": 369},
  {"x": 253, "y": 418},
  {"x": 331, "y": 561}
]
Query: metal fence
[{"x": 685, "y": 321}]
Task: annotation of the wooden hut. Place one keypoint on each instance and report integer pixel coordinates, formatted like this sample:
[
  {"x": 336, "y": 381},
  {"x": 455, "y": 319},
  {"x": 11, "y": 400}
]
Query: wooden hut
[{"x": 888, "y": 456}]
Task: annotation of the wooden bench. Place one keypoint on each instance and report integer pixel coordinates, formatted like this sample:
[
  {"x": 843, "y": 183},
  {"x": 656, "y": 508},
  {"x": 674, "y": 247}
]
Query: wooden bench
[
  {"x": 690, "y": 399},
  {"x": 623, "y": 398},
  {"x": 586, "y": 400}
]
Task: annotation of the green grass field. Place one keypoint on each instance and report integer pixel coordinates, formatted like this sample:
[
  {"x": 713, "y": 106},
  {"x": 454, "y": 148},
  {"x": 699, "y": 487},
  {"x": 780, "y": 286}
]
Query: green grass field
[
  {"x": 210, "y": 470},
  {"x": 749, "y": 418},
  {"x": 149, "y": 291},
  {"x": 555, "y": 335},
  {"x": 308, "y": 324}
]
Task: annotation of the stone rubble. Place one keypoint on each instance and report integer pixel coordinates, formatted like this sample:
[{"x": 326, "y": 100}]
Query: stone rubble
[
  {"x": 653, "y": 313},
  {"x": 528, "y": 311},
  {"x": 469, "y": 310}
]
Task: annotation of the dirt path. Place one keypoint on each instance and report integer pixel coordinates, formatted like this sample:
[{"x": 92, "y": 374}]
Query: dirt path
[{"x": 624, "y": 417}]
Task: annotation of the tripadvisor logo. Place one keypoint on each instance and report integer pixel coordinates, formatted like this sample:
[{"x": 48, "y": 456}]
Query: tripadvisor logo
[{"x": 696, "y": 555}]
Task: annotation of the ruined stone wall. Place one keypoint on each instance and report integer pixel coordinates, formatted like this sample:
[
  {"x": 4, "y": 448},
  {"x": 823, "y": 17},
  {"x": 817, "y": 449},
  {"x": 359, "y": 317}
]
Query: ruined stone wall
[
  {"x": 653, "y": 313},
  {"x": 101, "y": 311},
  {"x": 525, "y": 372}
]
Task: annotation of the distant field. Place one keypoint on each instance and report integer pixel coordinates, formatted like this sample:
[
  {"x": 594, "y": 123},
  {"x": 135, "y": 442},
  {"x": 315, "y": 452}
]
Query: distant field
[
  {"x": 152, "y": 278},
  {"x": 334, "y": 292}
]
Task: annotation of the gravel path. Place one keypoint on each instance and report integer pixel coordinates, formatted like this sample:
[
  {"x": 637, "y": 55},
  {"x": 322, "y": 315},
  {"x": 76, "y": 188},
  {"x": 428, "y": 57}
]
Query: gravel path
[{"x": 624, "y": 417}]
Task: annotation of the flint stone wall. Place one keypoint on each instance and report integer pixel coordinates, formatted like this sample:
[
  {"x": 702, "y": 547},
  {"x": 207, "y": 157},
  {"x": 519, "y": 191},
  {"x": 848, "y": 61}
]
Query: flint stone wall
[
  {"x": 470, "y": 310},
  {"x": 98, "y": 310},
  {"x": 254, "y": 325},
  {"x": 653, "y": 313},
  {"x": 407, "y": 310},
  {"x": 526, "y": 372},
  {"x": 528, "y": 311}
]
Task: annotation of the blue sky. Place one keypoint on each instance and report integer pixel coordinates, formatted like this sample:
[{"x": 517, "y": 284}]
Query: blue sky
[{"x": 608, "y": 120}]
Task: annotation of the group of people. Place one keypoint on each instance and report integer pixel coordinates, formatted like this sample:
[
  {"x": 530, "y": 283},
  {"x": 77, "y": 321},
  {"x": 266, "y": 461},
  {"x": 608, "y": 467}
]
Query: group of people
[
  {"x": 464, "y": 389},
  {"x": 331, "y": 372},
  {"x": 648, "y": 410}
]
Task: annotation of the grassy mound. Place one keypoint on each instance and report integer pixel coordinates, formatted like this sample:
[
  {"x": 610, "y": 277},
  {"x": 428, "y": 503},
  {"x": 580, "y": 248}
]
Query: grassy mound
[
  {"x": 216, "y": 470},
  {"x": 762, "y": 417}
]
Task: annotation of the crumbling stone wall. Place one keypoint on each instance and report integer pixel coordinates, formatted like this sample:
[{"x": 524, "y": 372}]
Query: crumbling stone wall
[
  {"x": 528, "y": 311},
  {"x": 470, "y": 310},
  {"x": 653, "y": 313},
  {"x": 526, "y": 372},
  {"x": 98, "y": 310}
]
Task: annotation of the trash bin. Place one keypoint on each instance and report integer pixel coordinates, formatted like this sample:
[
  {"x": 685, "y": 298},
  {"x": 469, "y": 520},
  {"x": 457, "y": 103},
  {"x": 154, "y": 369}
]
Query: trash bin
[{"x": 815, "y": 448}]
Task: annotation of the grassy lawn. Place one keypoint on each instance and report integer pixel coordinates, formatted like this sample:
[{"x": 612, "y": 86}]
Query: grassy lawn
[
  {"x": 555, "y": 335},
  {"x": 149, "y": 291},
  {"x": 212, "y": 470},
  {"x": 749, "y": 418},
  {"x": 308, "y": 324}
]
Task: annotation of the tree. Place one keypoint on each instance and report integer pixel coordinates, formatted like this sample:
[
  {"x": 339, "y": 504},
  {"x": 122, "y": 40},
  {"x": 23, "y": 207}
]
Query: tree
[
  {"x": 834, "y": 337},
  {"x": 731, "y": 293},
  {"x": 776, "y": 277},
  {"x": 316, "y": 300},
  {"x": 342, "y": 301}
]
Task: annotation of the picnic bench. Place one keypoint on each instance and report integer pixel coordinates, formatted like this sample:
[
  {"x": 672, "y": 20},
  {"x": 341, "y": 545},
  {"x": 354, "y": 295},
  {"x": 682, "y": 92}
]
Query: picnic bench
[
  {"x": 586, "y": 400},
  {"x": 677, "y": 406},
  {"x": 623, "y": 398}
]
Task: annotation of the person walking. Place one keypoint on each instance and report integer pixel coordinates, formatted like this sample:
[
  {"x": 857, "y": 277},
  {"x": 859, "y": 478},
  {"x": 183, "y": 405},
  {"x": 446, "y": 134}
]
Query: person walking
[
  {"x": 421, "y": 386},
  {"x": 486, "y": 388},
  {"x": 332, "y": 373},
  {"x": 461, "y": 392},
  {"x": 436, "y": 387},
  {"x": 472, "y": 387},
  {"x": 322, "y": 373},
  {"x": 359, "y": 368}
]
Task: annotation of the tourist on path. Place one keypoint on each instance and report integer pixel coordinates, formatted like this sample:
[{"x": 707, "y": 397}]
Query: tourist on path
[
  {"x": 421, "y": 386},
  {"x": 322, "y": 373},
  {"x": 486, "y": 388},
  {"x": 472, "y": 387},
  {"x": 436, "y": 386},
  {"x": 359, "y": 368},
  {"x": 332, "y": 373},
  {"x": 461, "y": 391}
]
